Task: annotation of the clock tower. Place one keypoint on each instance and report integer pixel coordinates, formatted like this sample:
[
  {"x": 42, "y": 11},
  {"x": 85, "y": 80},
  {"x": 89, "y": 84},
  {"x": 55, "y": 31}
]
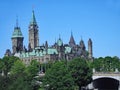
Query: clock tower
[{"x": 33, "y": 33}]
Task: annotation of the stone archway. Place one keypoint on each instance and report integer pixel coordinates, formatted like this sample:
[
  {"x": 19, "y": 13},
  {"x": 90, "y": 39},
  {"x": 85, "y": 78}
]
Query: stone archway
[{"x": 106, "y": 83}]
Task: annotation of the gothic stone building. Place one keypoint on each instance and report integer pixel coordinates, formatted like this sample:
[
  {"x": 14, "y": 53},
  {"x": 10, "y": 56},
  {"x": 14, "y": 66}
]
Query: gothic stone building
[{"x": 46, "y": 53}]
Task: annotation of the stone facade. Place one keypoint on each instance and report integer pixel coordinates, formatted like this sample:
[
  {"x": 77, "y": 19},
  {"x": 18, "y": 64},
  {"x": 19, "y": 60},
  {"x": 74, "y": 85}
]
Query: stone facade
[{"x": 47, "y": 53}]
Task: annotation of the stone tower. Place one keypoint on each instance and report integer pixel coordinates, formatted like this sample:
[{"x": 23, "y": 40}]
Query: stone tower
[
  {"x": 33, "y": 32},
  {"x": 90, "y": 53},
  {"x": 17, "y": 39}
]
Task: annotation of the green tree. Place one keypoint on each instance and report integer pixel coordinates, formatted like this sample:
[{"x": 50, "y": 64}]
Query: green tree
[
  {"x": 107, "y": 64},
  {"x": 80, "y": 71},
  {"x": 5, "y": 66},
  {"x": 18, "y": 68},
  {"x": 22, "y": 77},
  {"x": 32, "y": 71},
  {"x": 98, "y": 64},
  {"x": 19, "y": 82},
  {"x": 58, "y": 78},
  {"x": 1, "y": 65},
  {"x": 7, "y": 63},
  {"x": 18, "y": 77}
]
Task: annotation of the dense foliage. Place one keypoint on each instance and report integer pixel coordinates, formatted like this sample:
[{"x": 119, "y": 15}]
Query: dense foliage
[
  {"x": 58, "y": 78},
  {"x": 80, "y": 71},
  {"x": 60, "y": 75},
  {"x": 18, "y": 76},
  {"x": 6, "y": 63},
  {"x": 107, "y": 64},
  {"x": 67, "y": 75}
]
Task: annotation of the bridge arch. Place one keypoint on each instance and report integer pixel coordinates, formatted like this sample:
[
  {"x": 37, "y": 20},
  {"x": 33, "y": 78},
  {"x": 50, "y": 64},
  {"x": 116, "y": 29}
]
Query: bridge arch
[
  {"x": 103, "y": 83},
  {"x": 106, "y": 76}
]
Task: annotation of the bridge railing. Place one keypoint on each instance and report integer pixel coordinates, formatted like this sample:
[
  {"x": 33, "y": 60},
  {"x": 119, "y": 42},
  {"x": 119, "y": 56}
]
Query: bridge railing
[{"x": 103, "y": 72}]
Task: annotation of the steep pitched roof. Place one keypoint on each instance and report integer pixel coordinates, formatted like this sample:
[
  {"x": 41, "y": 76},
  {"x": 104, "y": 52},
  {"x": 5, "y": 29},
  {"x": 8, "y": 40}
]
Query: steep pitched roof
[
  {"x": 33, "y": 19},
  {"x": 82, "y": 45},
  {"x": 72, "y": 41},
  {"x": 17, "y": 33}
]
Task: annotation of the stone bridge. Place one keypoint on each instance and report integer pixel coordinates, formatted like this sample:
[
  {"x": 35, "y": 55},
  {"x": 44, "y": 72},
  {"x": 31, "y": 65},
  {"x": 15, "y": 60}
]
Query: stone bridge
[
  {"x": 105, "y": 81},
  {"x": 111, "y": 75}
]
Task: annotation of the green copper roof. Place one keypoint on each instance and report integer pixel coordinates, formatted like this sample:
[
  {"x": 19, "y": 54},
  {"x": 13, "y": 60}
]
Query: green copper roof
[
  {"x": 67, "y": 50},
  {"x": 17, "y": 33},
  {"x": 52, "y": 51},
  {"x": 33, "y": 20},
  {"x": 59, "y": 42}
]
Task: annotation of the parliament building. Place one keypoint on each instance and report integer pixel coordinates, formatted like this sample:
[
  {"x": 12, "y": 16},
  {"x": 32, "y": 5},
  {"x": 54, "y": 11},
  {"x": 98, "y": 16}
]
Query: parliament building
[{"x": 46, "y": 53}]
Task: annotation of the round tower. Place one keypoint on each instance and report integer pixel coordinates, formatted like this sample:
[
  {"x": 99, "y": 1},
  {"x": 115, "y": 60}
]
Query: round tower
[{"x": 90, "y": 53}]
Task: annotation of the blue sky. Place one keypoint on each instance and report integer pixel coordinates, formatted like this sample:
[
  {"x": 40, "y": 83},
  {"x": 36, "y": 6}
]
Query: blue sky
[{"x": 95, "y": 19}]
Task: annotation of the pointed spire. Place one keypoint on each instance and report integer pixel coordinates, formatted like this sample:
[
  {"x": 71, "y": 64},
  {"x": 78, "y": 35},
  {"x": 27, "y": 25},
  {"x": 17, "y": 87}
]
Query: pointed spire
[
  {"x": 81, "y": 38},
  {"x": 59, "y": 36},
  {"x": 71, "y": 33},
  {"x": 55, "y": 40},
  {"x": 81, "y": 41},
  {"x": 33, "y": 20},
  {"x": 46, "y": 45},
  {"x": 72, "y": 41},
  {"x": 17, "y": 31},
  {"x": 59, "y": 41},
  {"x": 82, "y": 45}
]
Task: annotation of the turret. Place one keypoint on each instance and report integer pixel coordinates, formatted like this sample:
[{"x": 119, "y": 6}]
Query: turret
[
  {"x": 60, "y": 45},
  {"x": 90, "y": 53},
  {"x": 33, "y": 32},
  {"x": 82, "y": 45},
  {"x": 46, "y": 45},
  {"x": 8, "y": 53},
  {"x": 17, "y": 39},
  {"x": 60, "y": 49}
]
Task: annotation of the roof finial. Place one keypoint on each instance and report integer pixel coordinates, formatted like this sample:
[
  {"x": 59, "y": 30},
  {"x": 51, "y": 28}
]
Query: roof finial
[
  {"x": 16, "y": 21},
  {"x": 55, "y": 40},
  {"x": 33, "y": 7},
  {"x": 71, "y": 32},
  {"x": 81, "y": 37},
  {"x": 59, "y": 36},
  {"x": 33, "y": 10}
]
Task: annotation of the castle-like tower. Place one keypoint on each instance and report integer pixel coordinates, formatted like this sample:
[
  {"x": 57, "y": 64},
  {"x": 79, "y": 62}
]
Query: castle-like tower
[
  {"x": 17, "y": 39},
  {"x": 90, "y": 53},
  {"x": 33, "y": 33},
  {"x": 82, "y": 45}
]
